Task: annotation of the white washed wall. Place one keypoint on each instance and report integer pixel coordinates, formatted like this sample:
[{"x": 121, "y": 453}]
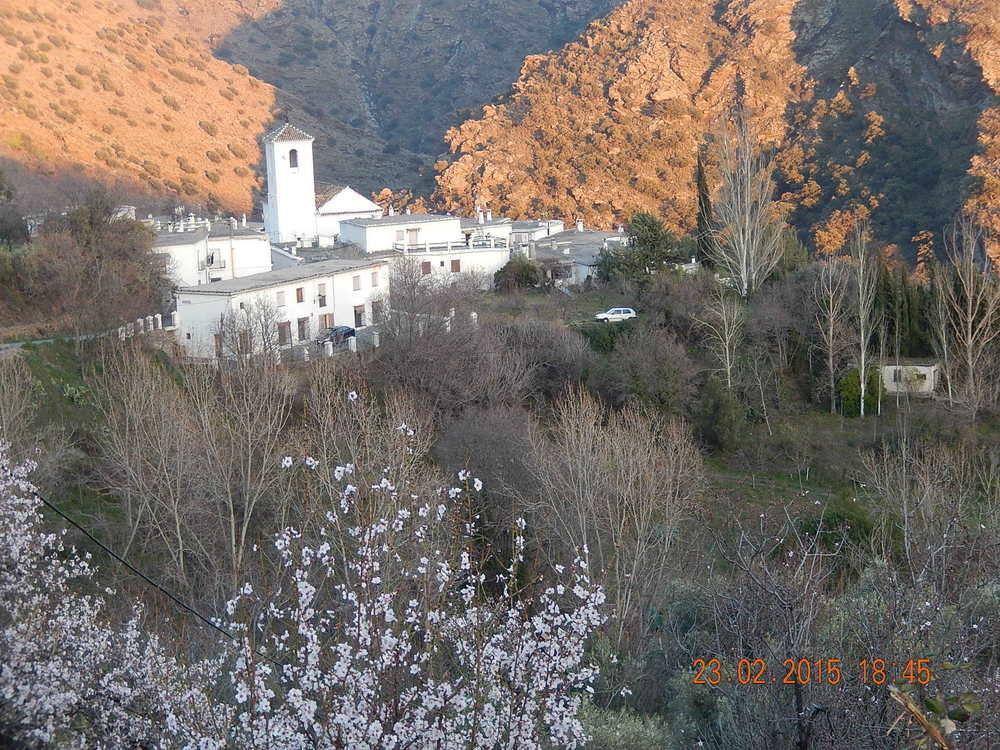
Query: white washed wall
[{"x": 200, "y": 314}]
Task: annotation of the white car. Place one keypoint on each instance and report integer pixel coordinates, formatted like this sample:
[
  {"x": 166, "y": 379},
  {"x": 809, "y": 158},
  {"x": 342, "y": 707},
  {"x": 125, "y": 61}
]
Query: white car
[{"x": 615, "y": 315}]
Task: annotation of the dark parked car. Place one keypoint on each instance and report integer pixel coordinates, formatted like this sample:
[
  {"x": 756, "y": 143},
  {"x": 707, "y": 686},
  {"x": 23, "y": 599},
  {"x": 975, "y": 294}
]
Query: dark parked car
[{"x": 335, "y": 335}]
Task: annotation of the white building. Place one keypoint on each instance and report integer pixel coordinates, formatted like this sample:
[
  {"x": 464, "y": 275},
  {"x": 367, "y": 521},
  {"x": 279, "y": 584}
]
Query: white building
[
  {"x": 198, "y": 251},
  {"x": 483, "y": 226},
  {"x": 437, "y": 242},
  {"x": 305, "y": 299},
  {"x": 570, "y": 257},
  {"x": 526, "y": 232},
  {"x": 402, "y": 232},
  {"x": 290, "y": 208},
  {"x": 293, "y": 211},
  {"x": 336, "y": 203},
  {"x": 917, "y": 378}
]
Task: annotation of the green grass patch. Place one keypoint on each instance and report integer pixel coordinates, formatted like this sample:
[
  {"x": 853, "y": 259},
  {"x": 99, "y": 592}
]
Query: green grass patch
[{"x": 62, "y": 394}]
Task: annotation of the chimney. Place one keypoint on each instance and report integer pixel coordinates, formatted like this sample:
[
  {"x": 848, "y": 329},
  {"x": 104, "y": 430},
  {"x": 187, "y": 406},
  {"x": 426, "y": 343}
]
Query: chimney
[
  {"x": 232, "y": 223},
  {"x": 579, "y": 225},
  {"x": 392, "y": 210},
  {"x": 180, "y": 225},
  {"x": 489, "y": 214},
  {"x": 408, "y": 211},
  {"x": 244, "y": 218},
  {"x": 480, "y": 218}
]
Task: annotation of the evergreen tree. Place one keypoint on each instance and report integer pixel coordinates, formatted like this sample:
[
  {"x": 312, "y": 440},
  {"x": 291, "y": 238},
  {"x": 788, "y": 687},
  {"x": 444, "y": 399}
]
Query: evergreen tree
[
  {"x": 650, "y": 246},
  {"x": 704, "y": 210}
]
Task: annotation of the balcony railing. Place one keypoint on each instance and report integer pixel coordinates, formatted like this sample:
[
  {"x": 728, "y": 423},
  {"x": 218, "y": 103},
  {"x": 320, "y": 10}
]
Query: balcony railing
[{"x": 483, "y": 243}]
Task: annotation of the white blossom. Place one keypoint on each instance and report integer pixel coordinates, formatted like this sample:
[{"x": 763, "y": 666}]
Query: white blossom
[{"x": 466, "y": 670}]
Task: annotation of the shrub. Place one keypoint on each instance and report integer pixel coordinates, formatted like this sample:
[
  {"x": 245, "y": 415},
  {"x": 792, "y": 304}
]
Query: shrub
[
  {"x": 520, "y": 272},
  {"x": 241, "y": 171},
  {"x": 602, "y": 336},
  {"x": 172, "y": 103},
  {"x": 213, "y": 157},
  {"x": 212, "y": 176},
  {"x": 849, "y": 389},
  {"x": 623, "y": 729},
  {"x": 107, "y": 84},
  {"x": 238, "y": 151},
  {"x": 63, "y": 114},
  {"x": 74, "y": 81},
  {"x": 721, "y": 418},
  {"x": 151, "y": 168},
  {"x": 209, "y": 128},
  {"x": 185, "y": 165},
  {"x": 183, "y": 76}
]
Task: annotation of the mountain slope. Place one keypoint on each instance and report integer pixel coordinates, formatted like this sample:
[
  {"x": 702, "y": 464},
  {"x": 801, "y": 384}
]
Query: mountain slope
[
  {"x": 404, "y": 70},
  {"x": 876, "y": 108},
  {"x": 140, "y": 90},
  {"x": 132, "y": 91}
]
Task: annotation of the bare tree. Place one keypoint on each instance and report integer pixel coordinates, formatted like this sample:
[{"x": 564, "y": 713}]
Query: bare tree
[
  {"x": 243, "y": 415},
  {"x": 618, "y": 484},
  {"x": 150, "y": 460},
  {"x": 745, "y": 241},
  {"x": 940, "y": 324},
  {"x": 430, "y": 346},
  {"x": 773, "y": 607},
  {"x": 347, "y": 424},
  {"x": 722, "y": 321},
  {"x": 865, "y": 265},
  {"x": 830, "y": 296},
  {"x": 972, "y": 294},
  {"x": 251, "y": 330},
  {"x": 17, "y": 406}
]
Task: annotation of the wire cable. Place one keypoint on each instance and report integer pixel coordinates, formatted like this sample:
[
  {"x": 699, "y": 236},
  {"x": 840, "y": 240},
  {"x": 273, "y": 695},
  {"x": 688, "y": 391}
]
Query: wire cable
[{"x": 183, "y": 605}]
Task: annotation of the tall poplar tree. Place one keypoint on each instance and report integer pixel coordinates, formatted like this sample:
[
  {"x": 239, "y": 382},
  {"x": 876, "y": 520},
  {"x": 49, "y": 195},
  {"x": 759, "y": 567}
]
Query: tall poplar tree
[{"x": 704, "y": 210}]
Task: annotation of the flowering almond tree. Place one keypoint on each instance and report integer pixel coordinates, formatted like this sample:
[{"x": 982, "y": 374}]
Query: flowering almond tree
[{"x": 382, "y": 637}]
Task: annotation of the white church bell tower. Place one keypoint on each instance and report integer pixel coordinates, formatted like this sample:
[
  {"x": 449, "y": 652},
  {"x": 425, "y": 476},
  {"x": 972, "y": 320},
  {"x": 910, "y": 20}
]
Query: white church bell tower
[{"x": 290, "y": 210}]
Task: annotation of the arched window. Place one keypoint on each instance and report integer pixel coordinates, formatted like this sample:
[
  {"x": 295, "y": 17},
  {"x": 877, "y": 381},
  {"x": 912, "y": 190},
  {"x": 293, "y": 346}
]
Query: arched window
[{"x": 293, "y": 158}]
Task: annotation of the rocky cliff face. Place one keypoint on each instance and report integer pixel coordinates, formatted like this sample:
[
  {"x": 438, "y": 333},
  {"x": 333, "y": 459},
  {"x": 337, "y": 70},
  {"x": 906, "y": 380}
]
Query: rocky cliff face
[{"x": 877, "y": 108}]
